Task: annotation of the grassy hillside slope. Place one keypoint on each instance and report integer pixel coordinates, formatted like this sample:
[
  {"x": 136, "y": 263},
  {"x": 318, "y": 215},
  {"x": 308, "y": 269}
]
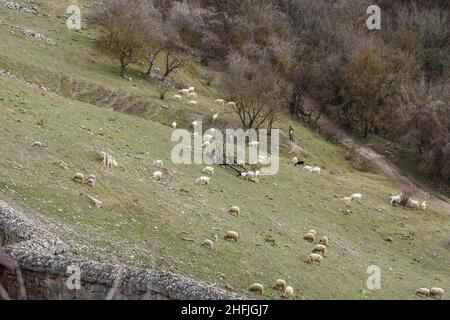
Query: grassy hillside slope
[{"x": 143, "y": 222}]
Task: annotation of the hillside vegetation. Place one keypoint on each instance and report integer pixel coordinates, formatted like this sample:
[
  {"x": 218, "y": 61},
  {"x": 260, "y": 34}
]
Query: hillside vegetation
[{"x": 69, "y": 96}]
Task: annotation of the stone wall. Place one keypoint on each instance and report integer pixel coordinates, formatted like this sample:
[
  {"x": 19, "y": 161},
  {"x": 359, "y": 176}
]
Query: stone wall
[{"x": 44, "y": 261}]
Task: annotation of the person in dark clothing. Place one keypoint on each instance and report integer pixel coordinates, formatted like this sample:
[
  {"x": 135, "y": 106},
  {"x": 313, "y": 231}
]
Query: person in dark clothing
[{"x": 291, "y": 133}]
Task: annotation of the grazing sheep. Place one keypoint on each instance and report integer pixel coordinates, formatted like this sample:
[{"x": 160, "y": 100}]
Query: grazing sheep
[
  {"x": 203, "y": 180},
  {"x": 232, "y": 236},
  {"x": 257, "y": 287},
  {"x": 312, "y": 231},
  {"x": 93, "y": 177},
  {"x": 37, "y": 144},
  {"x": 79, "y": 178},
  {"x": 209, "y": 170},
  {"x": 288, "y": 292},
  {"x": 316, "y": 170},
  {"x": 240, "y": 163},
  {"x": 192, "y": 95},
  {"x": 108, "y": 160},
  {"x": 215, "y": 117},
  {"x": 320, "y": 248},
  {"x": 423, "y": 292},
  {"x": 250, "y": 176},
  {"x": 356, "y": 197},
  {"x": 437, "y": 292},
  {"x": 313, "y": 257},
  {"x": 191, "y": 89},
  {"x": 235, "y": 210},
  {"x": 174, "y": 125},
  {"x": 300, "y": 163},
  {"x": 294, "y": 160},
  {"x": 208, "y": 243},
  {"x": 177, "y": 97},
  {"x": 91, "y": 182},
  {"x": 309, "y": 168},
  {"x": 184, "y": 92},
  {"x": 157, "y": 175},
  {"x": 310, "y": 237},
  {"x": 325, "y": 241},
  {"x": 231, "y": 104},
  {"x": 192, "y": 102},
  {"x": 413, "y": 204},
  {"x": 280, "y": 284},
  {"x": 396, "y": 199},
  {"x": 424, "y": 206},
  {"x": 158, "y": 163},
  {"x": 206, "y": 144}
]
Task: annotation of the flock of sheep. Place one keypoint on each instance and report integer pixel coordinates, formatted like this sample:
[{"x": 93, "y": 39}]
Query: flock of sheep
[{"x": 319, "y": 251}]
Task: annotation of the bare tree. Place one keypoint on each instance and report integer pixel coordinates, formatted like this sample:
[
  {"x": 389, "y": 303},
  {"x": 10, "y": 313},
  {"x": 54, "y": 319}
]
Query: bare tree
[{"x": 123, "y": 22}]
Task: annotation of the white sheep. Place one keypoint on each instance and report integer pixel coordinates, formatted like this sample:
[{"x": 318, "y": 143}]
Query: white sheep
[
  {"x": 308, "y": 168},
  {"x": 157, "y": 175},
  {"x": 294, "y": 160},
  {"x": 316, "y": 170},
  {"x": 231, "y": 104},
  {"x": 312, "y": 231},
  {"x": 346, "y": 199},
  {"x": 396, "y": 199},
  {"x": 288, "y": 292},
  {"x": 257, "y": 174},
  {"x": 177, "y": 97},
  {"x": 158, "y": 163},
  {"x": 310, "y": 237},
  {"x": 356, "y": 197},
  {"x": 191, "y": 89},
  {"x": 79, "y": 177},
  {"x": 320, "y": 248},
  {"x": 203, "y": 180},
  {"x": 209, "y": 170},
  {"x": 423, "y": 292},
  {"x": 257, "y": 287},
  {"x": 215, "y": 117},
  {"x": 174, "y": 125},
  {"x": 220, "y": 102},
  {"x": 192, "y": 102},
  {"x": 413, "y": 204},
  {"x": 184, "y": 92},
  {"x": 281, "y": 284},
  {"x": 192, "y": 95},
  {"x": 437, "y": 292},
  {"x": 325, "y": 241},
  {"x": 208, "y": 243},
  {"x": 232, "y": 236},
  {"x": 235, "y": 210},
  {"x": 424, "y": 206},
  {"x": 314, "y": 257}
]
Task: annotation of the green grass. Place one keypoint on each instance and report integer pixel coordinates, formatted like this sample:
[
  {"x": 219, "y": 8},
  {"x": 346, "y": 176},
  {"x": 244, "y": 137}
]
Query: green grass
[{"x": 143, "y": 222}]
